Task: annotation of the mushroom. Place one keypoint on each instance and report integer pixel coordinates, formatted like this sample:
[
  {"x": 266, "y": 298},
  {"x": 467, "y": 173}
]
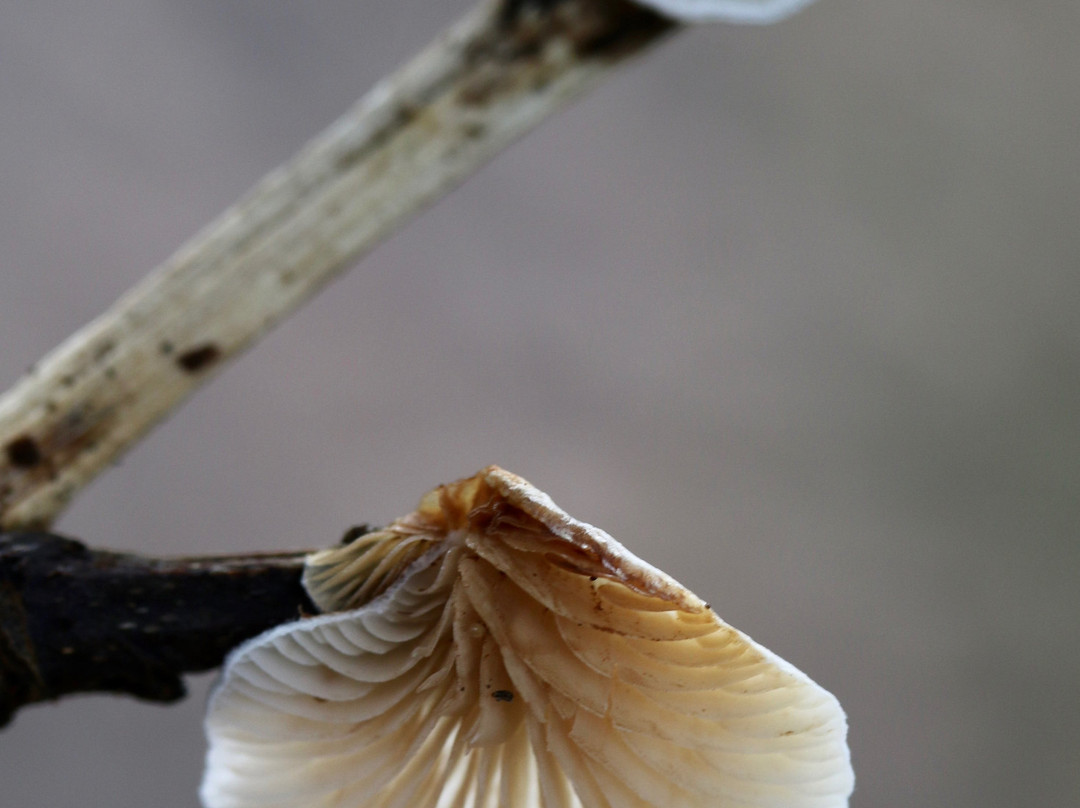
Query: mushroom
[{"x": 490, "y": 650}]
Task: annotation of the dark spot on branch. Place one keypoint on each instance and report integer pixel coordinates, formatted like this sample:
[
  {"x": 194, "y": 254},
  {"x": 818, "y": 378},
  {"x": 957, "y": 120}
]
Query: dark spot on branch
[
  {"x": 23, "y": 452},
  {"x": 479, "y": 91},
  {"x": 596, "y": 29},
  {"x": 104, "y": 350},
  {"x": 519, "y": 48},
  {"x": 199, "y": 358},
  {"x": 502, "y": 695},
  {"x": 474, "y": 129},
  {"x": 404, "y": 115}
]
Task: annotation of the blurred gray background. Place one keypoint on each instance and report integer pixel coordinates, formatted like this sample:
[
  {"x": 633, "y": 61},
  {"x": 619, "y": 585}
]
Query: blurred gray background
[{"x": 792, "y": 312}]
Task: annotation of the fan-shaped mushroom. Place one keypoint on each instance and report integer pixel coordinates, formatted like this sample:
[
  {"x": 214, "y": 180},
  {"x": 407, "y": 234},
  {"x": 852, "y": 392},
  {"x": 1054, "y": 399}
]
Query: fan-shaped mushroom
[{"x": 490, "y": 650}]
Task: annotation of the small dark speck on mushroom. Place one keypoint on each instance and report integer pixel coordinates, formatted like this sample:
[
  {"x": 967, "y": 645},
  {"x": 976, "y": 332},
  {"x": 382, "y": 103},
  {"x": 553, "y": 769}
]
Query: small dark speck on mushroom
[
  {"x": 23, "y": 452},
  {"x": 199, "y": 358},
  {"x": 503, "y": 695}
]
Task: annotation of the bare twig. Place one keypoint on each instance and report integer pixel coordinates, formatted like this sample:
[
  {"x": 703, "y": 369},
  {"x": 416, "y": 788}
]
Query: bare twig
[
  {"x": 74, "y": 620},
  {"x": 479, "y": 86}
]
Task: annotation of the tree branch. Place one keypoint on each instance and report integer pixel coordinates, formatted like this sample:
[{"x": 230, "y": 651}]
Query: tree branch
[
  {"x": 74, "y": 620},
  {"x": 478, "y": 87}
]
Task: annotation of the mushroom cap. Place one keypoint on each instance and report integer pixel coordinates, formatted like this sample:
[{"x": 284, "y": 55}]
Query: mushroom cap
[
  {"x": 490, "y": 650},
  {"x": 759, "y": 12}
]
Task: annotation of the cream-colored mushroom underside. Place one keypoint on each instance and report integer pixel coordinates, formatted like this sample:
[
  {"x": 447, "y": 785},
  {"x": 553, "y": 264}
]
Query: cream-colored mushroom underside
[{"x": 488, "y": 650}]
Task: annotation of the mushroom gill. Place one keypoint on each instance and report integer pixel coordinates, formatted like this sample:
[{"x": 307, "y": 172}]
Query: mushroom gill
[{"x": 489, "y": 650}]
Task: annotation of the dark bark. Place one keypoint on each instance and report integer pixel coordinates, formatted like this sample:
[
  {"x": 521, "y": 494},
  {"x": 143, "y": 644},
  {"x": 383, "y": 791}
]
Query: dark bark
[{"x": 75, "y": 620}]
